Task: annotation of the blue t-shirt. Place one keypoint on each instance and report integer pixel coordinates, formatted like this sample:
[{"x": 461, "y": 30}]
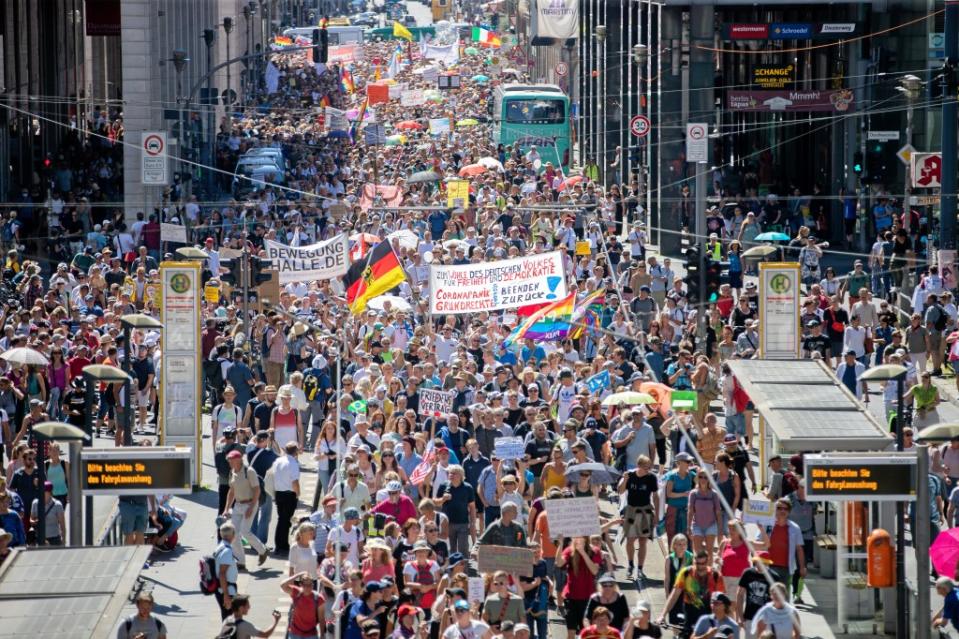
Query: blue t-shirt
[
  {"x": 358, "y": 607},
  {"x": 682, "y": 382},
  {"x": 950, "y": 607},
  {"x": 680, "y": 485}
]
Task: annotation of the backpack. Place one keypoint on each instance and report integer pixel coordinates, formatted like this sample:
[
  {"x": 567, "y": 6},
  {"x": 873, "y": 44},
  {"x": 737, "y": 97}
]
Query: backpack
[
  {"x": 941, "y": 320},
  {"x": 790, "y": 483},
  {"x": 128, "y": 624},
  {"x": 209, "y": 580},
  {"x": 311, "y": 385}
]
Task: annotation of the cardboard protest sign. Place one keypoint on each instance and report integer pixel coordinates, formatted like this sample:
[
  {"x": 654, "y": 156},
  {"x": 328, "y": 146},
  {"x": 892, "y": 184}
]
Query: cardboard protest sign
[
  {"x": 516, "y": 561},
  {"x": 576, "y": 517},
  {"x": 435, "y": 402}
]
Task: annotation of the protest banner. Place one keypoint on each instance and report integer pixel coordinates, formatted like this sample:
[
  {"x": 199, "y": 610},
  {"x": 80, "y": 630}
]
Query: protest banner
[
  {"x": 352, "y": 52},
  {"x": 515, "y": 561},
  {"x": 435, "y": 402},
  {"x": 322, "y": 261},
  {"x": 336, "y": 120},
  {"x": 759, "y": 511},
  {"x": 439, "y": 126},
  {"x": 493, "y": 286},
  {"x": 509, "y": 447},
  {"x": 475, "y": 589},
  {"x": 172, "y": 233},
  {"x": 576, "y": 517},
  {"x": 457, "y": 194},
  {"x": 415, "y": 97},
  {"x": 397, "y": 90}
]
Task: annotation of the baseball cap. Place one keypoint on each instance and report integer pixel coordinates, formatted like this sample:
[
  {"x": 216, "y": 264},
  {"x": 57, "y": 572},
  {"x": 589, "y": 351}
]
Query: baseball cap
[
  {"x": 642, "y": 605},
  {"x": 462, "y": 605},
  {"x": 234, "y": 454},
  {"x": 351, "y": 513},
  {"x": 684, "y": 457},
  {"x": 607, "y": 579},
  {"x": 394, "y": 487}
]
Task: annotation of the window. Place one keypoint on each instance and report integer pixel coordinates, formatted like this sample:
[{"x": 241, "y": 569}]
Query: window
[{"x": 535, "y": 112}]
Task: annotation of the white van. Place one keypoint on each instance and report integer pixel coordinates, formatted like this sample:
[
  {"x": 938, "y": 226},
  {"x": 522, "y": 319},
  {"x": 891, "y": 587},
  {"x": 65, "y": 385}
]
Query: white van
[{"x": 336, "y": 35}]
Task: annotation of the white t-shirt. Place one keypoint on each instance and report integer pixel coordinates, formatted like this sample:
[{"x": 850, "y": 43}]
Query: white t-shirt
[
  {"x": 779, "y": 620},
  {"x": 476, "y": 630},
  {"x": 353, "y": 538}
]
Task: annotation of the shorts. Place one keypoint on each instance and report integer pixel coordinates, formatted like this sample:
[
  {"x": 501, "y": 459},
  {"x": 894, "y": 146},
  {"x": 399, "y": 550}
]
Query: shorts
[
  {"x": 736, "y": 424},
  {"x": 709, "y": 531},
  {"x": 749, "y": 406},
  {"x": 640, "y": 522},
  {"x": 575, "y": 610},
  {"x": 142, "y": 398},
  {"x": 133, "y": 518}
]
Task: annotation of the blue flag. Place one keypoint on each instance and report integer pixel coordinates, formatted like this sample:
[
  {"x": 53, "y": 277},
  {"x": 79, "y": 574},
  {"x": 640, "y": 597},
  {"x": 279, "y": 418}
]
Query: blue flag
[{"x": 598, "y": 382}]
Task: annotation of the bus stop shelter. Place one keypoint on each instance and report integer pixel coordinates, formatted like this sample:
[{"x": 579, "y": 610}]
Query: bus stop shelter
[
  {"x": 69, "y": 593},
  {"x": 804, "y": 408}
]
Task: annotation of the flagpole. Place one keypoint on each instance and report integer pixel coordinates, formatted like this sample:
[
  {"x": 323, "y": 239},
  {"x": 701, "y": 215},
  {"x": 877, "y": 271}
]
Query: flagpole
[{"x": 339, "y": 468}]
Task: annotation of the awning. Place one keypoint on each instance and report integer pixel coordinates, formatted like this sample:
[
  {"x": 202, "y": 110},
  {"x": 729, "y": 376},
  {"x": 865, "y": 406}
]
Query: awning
[
  {"x": 807, "y": 408},
  {"x": 68, "y": 593}
]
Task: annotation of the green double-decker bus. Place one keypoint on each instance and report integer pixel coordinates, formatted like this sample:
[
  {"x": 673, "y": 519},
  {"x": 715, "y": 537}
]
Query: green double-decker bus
[{"x": 533, "y": 115}]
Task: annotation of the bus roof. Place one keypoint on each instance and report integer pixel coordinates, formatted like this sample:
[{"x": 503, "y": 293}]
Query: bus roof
[{"x": 531, "y": 88}]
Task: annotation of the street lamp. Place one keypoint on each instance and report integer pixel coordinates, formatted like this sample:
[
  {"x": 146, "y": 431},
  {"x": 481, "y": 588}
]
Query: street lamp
[
  {"x": 894, "y": 373},
  {"x": 909, "y": 86},
  {"x": 228, "y": 29},
  {"x": 249, "y": 11},
  {"x": 138, "y": 321},
  {"x": 58, "y": 431},
  {"x": 599, "y": 121},
  {"x": 179, "y": 61},
  {"x": 91, "y": 375},
  {"x": 209, "y": 38}
]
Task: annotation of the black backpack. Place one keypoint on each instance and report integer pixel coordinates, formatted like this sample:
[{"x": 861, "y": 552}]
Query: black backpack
[{"x": 941, "y": 319}]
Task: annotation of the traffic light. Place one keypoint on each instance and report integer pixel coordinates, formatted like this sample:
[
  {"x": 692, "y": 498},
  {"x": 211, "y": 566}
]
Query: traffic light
[
  {"x": 260, "y": 270},
  {"x": 857, "y": 163},
  {"x": 234, "y": 274},
  {"x": 321, "y": 43},
  {"x": 714, "y": 275},
  {"x": 693, "y": 265}
]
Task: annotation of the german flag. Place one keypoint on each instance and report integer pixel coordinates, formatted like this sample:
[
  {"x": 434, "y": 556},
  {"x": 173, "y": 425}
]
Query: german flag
[{"x": 378, "y": 272}]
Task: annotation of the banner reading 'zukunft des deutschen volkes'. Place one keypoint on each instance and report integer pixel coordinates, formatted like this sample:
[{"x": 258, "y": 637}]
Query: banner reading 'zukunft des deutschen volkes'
[{"x": 491, "y": 286}]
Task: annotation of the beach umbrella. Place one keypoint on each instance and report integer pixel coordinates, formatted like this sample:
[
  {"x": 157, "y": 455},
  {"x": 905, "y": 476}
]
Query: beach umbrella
[
  {"x": 467, "y": 122},
  {"x": 944, "y": 552},
  {"x": 452, "y": 245},
  {"x": 491, "y": 163},
  {"x": 935, "y": 433},
  {"x": 471, "y": 51},
  {"x": 480, "y": 78},
  {"x": 660, "y": 392},
  {"x": 407, "y": 239},
  {"x": 570, "y": 182},
  {"x": 599, "y": 473},
  {"x": 772, "y": 236},
  {"x": 471, "y": 170},
  {"x": 25, "y": 357},
  {"x": 409, "y": 125},
  {"x": 759, "y": 252},
  {"x": 630, "y": 398},
  {"x": 423, "y": 176},
  {"x": 395, "y": 302}
]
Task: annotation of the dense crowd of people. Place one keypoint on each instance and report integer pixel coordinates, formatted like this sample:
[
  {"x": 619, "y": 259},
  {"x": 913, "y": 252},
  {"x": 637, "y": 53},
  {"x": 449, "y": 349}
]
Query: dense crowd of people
[{"x": 405, "y": 500}]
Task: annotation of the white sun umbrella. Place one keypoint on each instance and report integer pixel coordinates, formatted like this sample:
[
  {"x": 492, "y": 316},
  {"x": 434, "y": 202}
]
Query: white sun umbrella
[
  {"x": 406, "y": 238},
  {"x": 25, "y": 357},
  {"x": 395, "y": 302},
  {"x": 491, "y": 163},
  {"x": 452, "y": 245}
]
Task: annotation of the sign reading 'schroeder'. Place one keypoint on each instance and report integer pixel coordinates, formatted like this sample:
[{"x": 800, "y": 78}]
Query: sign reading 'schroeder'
[{"x": 134, "y": 470}]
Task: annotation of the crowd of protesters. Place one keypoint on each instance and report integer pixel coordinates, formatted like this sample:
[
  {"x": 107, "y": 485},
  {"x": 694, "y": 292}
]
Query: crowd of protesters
[{"x": 404, "y": 501}]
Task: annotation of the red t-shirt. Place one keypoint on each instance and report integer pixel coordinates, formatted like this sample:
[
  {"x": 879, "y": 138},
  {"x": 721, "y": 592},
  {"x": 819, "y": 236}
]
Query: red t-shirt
[
  {"x": 779, "y": 546},
  {"x": 77, "y": 364},
  {"x": 581, "y": 583},
  {"x": 592, "y": 632},
  {"x": 303, "y": 621}
]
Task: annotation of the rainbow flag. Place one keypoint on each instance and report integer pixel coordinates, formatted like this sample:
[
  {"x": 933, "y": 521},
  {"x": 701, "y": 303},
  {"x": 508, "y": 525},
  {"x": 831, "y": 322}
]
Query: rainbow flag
[
  {"x": 346, "y": 81},
  {"x": 547, "y": 324},
  {"x": 325, "y": 101},
  {"x": 587, "y": 313},
  {"x": 283, "y": 41}
]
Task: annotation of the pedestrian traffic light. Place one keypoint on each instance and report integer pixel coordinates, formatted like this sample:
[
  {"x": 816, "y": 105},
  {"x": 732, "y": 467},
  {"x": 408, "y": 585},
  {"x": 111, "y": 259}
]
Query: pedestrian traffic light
[
  {"x": 321, "y": 42},
  {"x": 714, "y": 274},
  {"x": 857, "y": 163},
  {"x": 260, "y": 270},
  {"x": 234, "y": 273},
  {"x": 693, "y": 265}
]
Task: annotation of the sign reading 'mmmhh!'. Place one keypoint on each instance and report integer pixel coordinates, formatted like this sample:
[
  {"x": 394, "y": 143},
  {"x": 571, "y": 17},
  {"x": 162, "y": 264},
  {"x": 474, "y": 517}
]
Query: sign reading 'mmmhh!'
[
  {"x": 844, "y": 476},
  {"x": 132, "y": 470}
]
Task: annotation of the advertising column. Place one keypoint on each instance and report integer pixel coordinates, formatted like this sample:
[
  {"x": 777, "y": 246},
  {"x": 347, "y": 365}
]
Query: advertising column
[{"x": 180, "y": 369}]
